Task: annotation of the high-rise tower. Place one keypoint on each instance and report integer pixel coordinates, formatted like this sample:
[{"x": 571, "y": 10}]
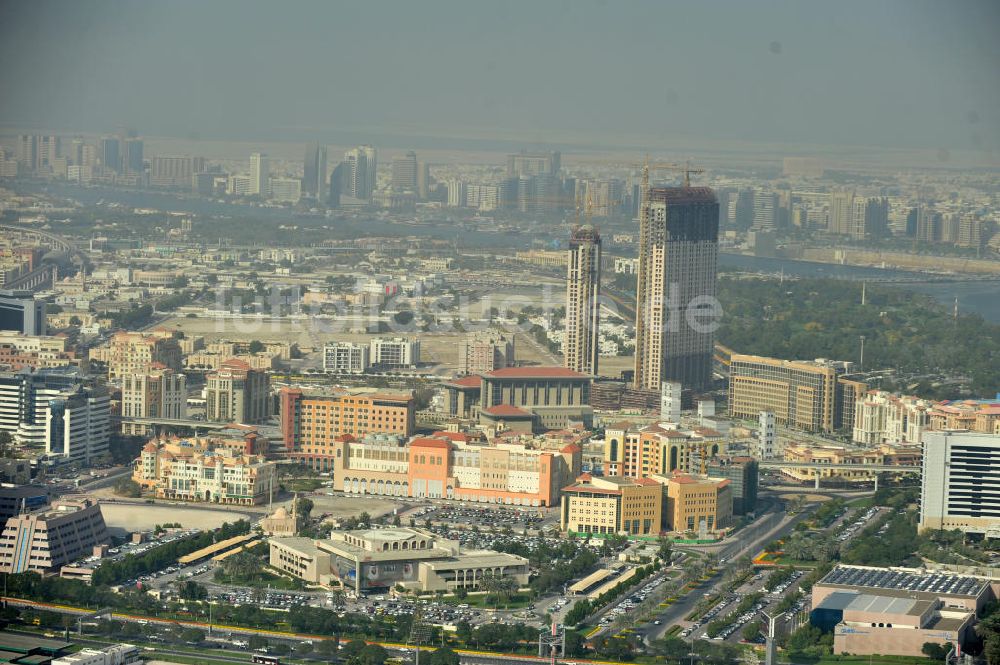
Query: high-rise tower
[
  {"x": 676, "y": 285},
  {"x": 583, "y": 286},
  {"x": 404, "y": 172},
  {"x": 314, "y": 176},
  {"x": 260, "y": 172}
]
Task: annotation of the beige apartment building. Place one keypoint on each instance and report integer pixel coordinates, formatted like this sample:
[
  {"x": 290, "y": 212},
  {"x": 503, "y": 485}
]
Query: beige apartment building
[
  {"x": 18, "y": 351},
  {"x": 481, "y": 352},
  {"x": 213, "y": 470},
  {"x": 136, "y": 353},
  {"x": 660, "y": 448},
  {"x": 160, "y": 393},
  {"x": 237, "y": 393}
]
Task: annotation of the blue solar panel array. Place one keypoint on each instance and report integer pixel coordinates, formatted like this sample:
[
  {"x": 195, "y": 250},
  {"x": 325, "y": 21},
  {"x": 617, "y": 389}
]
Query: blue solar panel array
[{"x": 876, "y": 578}]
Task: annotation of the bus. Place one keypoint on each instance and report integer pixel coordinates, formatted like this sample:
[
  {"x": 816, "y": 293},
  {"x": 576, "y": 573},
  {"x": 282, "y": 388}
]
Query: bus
[{"x": 265, "y": 660}]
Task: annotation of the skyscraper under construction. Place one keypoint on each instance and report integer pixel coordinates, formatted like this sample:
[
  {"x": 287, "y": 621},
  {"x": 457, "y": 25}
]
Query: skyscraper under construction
[{"x": 676, "y": 286}]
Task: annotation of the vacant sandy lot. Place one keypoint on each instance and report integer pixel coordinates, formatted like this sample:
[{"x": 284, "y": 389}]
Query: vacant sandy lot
[
  {"x": 338, "y": 506},
  {"x": 143, "y": 517}
]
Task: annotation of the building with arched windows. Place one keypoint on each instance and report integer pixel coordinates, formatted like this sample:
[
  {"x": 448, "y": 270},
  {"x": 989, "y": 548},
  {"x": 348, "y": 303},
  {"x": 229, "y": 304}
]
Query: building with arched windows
[
  {"x": 376, "y": 560},
  {"x": 660, "y": 448}
]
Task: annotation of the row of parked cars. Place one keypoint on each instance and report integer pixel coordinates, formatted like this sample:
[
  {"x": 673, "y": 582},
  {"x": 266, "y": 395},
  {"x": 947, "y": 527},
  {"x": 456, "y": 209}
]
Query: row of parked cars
[
  {"x": 741, "y": 621},
  {"x": 781, "y": 588},
  {"x": 859, "y": 524},
  {"x": 634, "y": 600}
]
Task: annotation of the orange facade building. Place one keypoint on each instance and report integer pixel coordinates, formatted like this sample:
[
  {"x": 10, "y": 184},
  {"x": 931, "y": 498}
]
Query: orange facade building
[
  {"x": 312, "y": 425},
  {"x": 448, "y": 466}
]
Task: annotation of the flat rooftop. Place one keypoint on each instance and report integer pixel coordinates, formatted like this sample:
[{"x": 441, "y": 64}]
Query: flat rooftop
[
  {"x": 25, "y": 643},
  {"x": 897, "y": 580}
]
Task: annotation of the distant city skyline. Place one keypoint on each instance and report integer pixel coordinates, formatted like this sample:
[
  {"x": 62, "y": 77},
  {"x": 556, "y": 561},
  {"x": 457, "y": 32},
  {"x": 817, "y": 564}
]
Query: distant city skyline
[{"x": 895, "y": 74}]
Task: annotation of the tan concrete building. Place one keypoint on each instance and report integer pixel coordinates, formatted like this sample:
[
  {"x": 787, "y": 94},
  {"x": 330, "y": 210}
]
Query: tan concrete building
[
  {"x": 660, "y": 448},
  {"x": 158, "y": 393},
  {"x": 237, "y": 393},
  {"x": 632, "y": 506},
  {"x": 808, "y": 395},
  {"x": 376, "y": 560},
  {"x": 697, "y": 503}
]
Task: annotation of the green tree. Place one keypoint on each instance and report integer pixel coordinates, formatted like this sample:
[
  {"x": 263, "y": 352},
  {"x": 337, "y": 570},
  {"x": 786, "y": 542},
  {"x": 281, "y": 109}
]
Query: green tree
[
  {"x": 373, "y": 654},
  {"x": 665, "y": 549},
  {"x": 192, "y": 636},
  {"x": 444, "y": 656},
  {"x": 126, "y": 487},
  {"x": 304, "y": 507},
  {"x": 353, "y": 649},
  {"x": 328, "y": 649},
  {"x": 935, "y": 650},
  {"x": 191, "y": 590},
  {"x": 751, "y": 631},
  {"x": 256, "y": 346}
]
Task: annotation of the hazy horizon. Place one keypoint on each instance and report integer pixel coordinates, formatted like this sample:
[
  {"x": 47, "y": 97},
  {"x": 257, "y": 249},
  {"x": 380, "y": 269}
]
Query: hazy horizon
[{"x": 907, "y": 75}]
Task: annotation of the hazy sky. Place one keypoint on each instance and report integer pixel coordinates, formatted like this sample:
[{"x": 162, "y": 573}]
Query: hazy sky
[{"x": 897, "y": 73}]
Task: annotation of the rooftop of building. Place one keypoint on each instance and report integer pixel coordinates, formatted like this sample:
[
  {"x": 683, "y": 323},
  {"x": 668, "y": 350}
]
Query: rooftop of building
[
  {"x": 536, "y": 372},
  {"x": 506, "y": 410},
  {"x": 877, "y": 603},
  {"x": 682, "y": 195},
  {"x": 612, "y": 485},
  {"x": 473, "y": 381},
  {"x": 904, "y": 580}
]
